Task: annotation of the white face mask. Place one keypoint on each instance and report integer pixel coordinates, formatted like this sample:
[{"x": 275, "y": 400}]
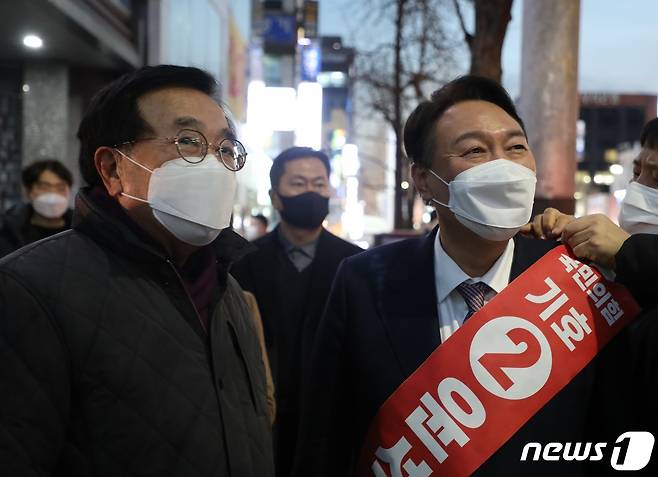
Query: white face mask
[
  {"x": 193, "y": 201},
  {"x": 251, "y": 233},
  {"x": 639, "y": 210},
  {"x": 494, "y": 199},
  {"x": 50, "y": 205}
]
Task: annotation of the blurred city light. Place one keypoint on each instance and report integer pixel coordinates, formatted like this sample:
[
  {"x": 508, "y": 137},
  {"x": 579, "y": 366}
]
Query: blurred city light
[
  {"x": 255, "y": 95},
  {"x": 332, "y": 79},
  {"x": 270, "y": 108},
  {"x": 351, "y": 162},
  {"x": 308, "y": 130},
  {"x": 279, "y": 108},
  {"x": 587, "y": 179},
  {"x": 620, "y": 194},
  {"x": 604, "y": 179},
  {"x": 617, "y": 169},
  {"x": 404, "y": 185},
  {"x": 352, "y": 218},
  {"x": 32, "y": 41}
]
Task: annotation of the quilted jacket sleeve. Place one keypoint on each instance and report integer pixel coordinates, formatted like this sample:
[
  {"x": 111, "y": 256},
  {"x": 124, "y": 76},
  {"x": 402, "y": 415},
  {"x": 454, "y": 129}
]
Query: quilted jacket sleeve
[
  {"x": 258, "y": 323},
  {"x": 34, "y": 383}
]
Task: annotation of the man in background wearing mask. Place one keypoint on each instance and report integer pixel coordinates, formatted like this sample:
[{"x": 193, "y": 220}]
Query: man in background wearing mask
[
  {"x": 291, "y": 274},
  {"x": 630, "y": 249},
  {"x": 128, "y": 348},
  {"x": 631, "y": 252},
  {"x": 257, "y": 227},
  {"x": 393, "y": 305},
  {"x": 47, "y": 186}
]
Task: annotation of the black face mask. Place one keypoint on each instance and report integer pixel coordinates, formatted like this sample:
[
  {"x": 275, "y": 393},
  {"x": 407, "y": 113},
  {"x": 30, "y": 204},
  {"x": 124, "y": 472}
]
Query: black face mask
[{"x": 306, "y": 211}]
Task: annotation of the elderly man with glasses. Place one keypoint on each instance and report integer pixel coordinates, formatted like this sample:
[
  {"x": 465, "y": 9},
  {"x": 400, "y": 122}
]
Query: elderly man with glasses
[{"x": 128, "y": 349}]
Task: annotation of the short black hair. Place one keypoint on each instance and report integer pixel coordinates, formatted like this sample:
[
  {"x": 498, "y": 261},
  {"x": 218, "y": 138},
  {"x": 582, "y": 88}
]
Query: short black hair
[
  {"x": 649, "y": 136},
  {"x": 112, "y": 116},
  {"x": 291, "y": 154},
  {"x": 418, "y": 140},
  {"x": 31, "y": 173},
  {"x": 261, "y": 218}
]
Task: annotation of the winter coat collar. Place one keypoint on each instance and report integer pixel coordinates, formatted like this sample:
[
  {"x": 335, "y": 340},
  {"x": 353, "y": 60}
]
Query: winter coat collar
[{"x": 100, "y": 217}]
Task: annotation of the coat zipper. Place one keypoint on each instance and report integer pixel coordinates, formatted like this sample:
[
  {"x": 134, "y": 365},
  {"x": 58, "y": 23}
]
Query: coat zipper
[{"x": 187, "y": 294}]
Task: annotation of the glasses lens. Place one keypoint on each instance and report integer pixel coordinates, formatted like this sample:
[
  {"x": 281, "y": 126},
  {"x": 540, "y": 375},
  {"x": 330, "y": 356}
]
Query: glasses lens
[
  {"x": 192, "y": 145},
  {"x": 233, "y": 154}
]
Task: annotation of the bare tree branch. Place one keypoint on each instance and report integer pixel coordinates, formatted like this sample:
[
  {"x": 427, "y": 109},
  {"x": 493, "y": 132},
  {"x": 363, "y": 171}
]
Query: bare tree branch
[
  {"x": 398, "y": 71},
  {"x": 468, "y": 37}
]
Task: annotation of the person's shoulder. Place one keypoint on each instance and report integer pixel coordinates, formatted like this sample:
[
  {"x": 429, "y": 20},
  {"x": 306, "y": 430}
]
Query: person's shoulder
[
  {"x": 15, "y": 216},
  {"x": 259, "y": 248},
  {"x": 45, "y": 254},
  {"x": 532, "y": 249},
  {"x": 385, "y": 256},
  {"x": 346, "y": 248},
  {"x": 262, "y": 244}
]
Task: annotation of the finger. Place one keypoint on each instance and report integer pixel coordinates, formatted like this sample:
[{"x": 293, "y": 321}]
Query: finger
[
  {"x": 526, "y": 229},
  {"x": 579, "y": 237},
  {"x": 582, "y": 251},
  {"x": 561, "y": 223},
  {"x": 575, "y": 226},
  {"x": 537, "y": 228},
  {"x": 550, "y": 218}
]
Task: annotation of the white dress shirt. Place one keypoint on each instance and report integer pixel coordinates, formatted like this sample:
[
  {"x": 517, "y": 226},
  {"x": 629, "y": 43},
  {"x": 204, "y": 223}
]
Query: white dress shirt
[{"x": 452, "y": 308}]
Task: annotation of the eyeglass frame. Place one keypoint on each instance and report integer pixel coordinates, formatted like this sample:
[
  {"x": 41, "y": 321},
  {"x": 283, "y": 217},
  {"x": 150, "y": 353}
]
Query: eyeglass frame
[{"x": 174, "y": 140}]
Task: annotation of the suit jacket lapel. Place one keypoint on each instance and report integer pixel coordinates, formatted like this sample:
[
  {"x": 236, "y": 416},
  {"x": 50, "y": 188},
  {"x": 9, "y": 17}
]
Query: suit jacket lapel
[
  {"x": 324, "y": 268},
  {"x": 325, "y": 264},
  {"x": 406, "y": 288},
  {"x": 265, "y": 265},
  {"x": 408, "y": 303},
  {"x": 526, "y": 252}
]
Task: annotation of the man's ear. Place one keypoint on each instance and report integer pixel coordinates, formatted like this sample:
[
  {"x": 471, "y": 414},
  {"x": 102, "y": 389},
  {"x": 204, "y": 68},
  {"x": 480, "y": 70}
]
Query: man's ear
[
  {"x": 420, "y": 176},
  {"x": 29, "y": 194},
  {"x": 107, "y": 165},
  {"x": 276, "y": 201}
]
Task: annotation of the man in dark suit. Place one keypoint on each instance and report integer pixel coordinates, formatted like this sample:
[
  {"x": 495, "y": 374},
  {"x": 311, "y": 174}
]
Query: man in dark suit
[
  {"x": 291, "y": 274},
  {"x": 631, "y": 251},
  {"x": 392, "y": 306}
]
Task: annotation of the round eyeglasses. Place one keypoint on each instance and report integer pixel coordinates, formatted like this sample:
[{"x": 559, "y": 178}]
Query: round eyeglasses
[{"x": 192, "y": 146}]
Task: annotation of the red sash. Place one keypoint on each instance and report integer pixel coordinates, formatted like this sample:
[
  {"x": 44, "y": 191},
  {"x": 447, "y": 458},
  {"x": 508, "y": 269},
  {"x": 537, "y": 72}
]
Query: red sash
[{"x": 477, "y": 389}]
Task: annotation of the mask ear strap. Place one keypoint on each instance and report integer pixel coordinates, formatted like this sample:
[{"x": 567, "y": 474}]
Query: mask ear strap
[
  {"x": 437, "y": 176},
  {"x": 437, "y": 202},
  {"x": 133, "y": 161},
  {"x": 429, "y": 201},
  {"x": 137, "y": 164},
  {"x": 135, "y": 198}
]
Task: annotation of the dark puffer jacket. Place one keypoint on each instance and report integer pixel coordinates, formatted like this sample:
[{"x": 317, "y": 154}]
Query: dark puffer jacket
[
  {"x": 106, "y": 371},
  {"x": 13, "y": 224}
]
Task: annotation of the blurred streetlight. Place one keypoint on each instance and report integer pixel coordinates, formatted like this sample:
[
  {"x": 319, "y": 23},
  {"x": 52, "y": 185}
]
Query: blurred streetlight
[
  {"x": 617, "y": 169},
  {"x": 32, "y": 41}
]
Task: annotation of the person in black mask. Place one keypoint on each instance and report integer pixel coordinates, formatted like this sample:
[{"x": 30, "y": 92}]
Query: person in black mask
[{"x": 290, "y": 274}]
